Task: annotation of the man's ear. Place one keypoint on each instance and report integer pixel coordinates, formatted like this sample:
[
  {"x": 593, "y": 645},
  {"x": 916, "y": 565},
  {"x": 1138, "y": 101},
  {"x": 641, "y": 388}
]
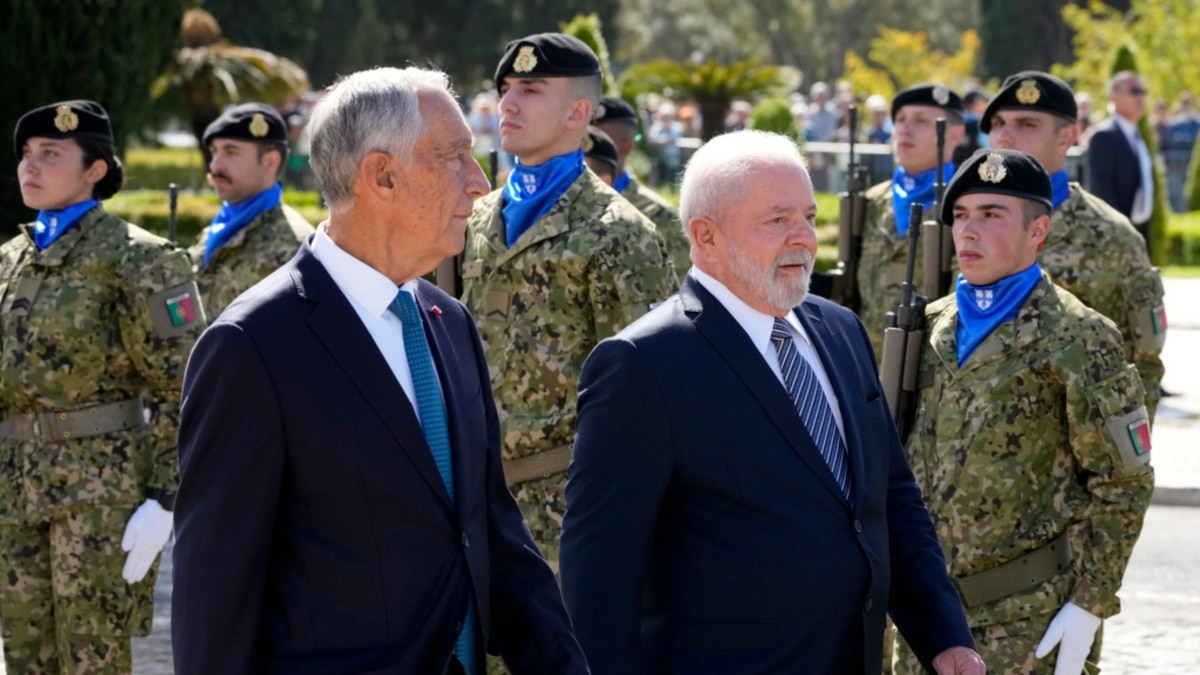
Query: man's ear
[
  {"x": 1039, "y": 229},
  {"x": 376, "y": 173},
  {"x": 580, "y": 115}
]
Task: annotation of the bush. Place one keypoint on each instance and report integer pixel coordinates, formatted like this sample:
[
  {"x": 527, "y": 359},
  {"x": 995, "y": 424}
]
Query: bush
[
  {"x": 157, "y": 168},
  {"x": 149, "y": 210},
  {"x": 774, "y": 114}
]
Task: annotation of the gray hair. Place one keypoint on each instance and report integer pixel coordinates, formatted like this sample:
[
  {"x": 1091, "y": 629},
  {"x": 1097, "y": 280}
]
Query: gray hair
[
  {"x": 369, "y": 111},
  {"x": 718, "y": 170}
]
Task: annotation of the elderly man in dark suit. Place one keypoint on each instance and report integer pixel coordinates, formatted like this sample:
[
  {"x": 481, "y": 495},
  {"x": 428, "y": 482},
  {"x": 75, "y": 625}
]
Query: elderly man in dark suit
[
  {"x": 342, "y": 506},
  {"x": 738, "y": 501},
  {"x": 1119, "y": 166}
]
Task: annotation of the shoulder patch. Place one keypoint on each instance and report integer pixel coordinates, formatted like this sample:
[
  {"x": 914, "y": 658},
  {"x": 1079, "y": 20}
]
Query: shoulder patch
[
  {"x": 1131, "y": 434},
  {"x": 176, "y": 311}
]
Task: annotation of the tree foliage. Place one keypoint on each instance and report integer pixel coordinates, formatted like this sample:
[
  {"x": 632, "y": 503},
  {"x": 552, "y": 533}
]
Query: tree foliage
[
  {"x": 208, "y": 74},
  {"x": 711, "y": 84},
  {"x": 1022, "y": 34},
  {"x": 900, "y": 59},
  {"x": 53, "y": 50},
  {"x": 588, "y": 29}
]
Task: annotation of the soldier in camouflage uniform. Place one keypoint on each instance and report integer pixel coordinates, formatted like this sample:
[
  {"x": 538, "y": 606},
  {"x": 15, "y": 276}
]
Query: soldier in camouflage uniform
[
  {"x": 1031, "y": 439},
  {"x": 1092, "y": 251},
  {"x": 914, "y": 145},
  {"x": 555, "y": 261},
  {"x": 254, "y": 233},
  {"x": 617, "y": 118},
  {"x": 96, "y": 320}
]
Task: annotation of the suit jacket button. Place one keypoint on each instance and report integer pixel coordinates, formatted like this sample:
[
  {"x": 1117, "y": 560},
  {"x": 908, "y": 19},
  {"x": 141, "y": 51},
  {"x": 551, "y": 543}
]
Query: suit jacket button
[
  {"x": 466, "y": 541},
  {"x": 858, "y": 526},
  {"x": 870, "y": 604}
]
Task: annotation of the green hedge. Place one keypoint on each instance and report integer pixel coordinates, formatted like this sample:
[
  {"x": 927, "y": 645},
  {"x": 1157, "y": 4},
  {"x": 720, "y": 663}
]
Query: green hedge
[
  {"x": 195, "y": 210},
  {"x": 155, "y": 169}
]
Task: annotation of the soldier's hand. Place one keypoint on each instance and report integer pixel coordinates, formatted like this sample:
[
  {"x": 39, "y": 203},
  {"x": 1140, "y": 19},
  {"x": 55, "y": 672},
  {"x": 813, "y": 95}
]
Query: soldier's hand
[
  {"x": 1073, "y": 630},
  {"x": 145, "y": 535},
  {"x": 959, "y": 661}
]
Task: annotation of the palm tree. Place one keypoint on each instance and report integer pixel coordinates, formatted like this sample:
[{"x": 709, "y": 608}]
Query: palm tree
[
  {"x": 207, "y": 74},
  {"x": 712, "y": 85}
]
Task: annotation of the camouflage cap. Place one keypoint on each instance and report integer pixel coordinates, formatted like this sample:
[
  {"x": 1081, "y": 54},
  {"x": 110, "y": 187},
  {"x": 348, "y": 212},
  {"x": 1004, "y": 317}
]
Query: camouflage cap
[
  {"x": 65, "y": 119},
  {"x": 1032, "y": 90},
  {"x": 547, "y": 55},
  {"x": 998, "y": 171},
  {"x": 931, "y": 94},
  {"x": 599, "y": 145},
  {"x": 256, "y": 122},
  {"x": 613, "y": 109}
]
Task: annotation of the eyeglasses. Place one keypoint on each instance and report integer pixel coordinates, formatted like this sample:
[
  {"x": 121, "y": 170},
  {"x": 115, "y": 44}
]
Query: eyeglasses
[{"x": 1136, "y": 91}]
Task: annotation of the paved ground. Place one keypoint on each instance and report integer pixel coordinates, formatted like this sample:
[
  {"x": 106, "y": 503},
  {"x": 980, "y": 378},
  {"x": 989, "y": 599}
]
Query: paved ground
[{"x": 1158, "y": 629}]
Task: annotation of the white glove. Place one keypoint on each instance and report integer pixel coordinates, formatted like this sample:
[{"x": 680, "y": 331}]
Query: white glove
[
  {"x": 1073, "y": 630},
  {"x": 145, "y": 535}
]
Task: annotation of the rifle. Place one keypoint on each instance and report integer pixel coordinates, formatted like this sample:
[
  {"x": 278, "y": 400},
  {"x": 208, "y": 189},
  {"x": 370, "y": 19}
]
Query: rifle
[
  {"x": 493, "y": 166},
  {"x": 172, "y": 202},
  {"x": 851, "y": 212},
  {"x": 939, "y": 240},
  {"x": 903, "y": 339}
]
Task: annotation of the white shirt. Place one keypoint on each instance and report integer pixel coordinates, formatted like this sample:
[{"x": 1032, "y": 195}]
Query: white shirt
[
  {"x": 370, "y": 293},
  {"x": 759, "y": 326},
  {"x": 1143, "y": 199}
]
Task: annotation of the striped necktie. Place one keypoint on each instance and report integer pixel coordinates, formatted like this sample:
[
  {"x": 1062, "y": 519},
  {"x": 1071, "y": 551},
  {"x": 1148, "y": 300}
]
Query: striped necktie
[
  {"x": 433, "y": 421},
  {"x": 810, "y": 402}
]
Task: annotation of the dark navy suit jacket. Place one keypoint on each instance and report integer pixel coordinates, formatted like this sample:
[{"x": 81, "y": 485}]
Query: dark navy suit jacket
[
  {"x": 314, "y": 533},
  {"x": 1113, "y": 171},
  {"x": 704, "y": 533}
]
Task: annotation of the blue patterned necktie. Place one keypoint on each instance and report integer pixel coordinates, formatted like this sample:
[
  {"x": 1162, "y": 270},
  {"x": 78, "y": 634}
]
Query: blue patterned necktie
[
  {"x": 811, "y": 403},
  {"x": 433, "y": 422}
]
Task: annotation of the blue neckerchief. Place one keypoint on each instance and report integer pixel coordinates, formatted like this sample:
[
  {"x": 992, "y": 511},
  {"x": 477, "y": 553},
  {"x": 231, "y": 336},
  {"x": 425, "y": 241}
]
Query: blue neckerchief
[
  {"x": 233, "y": 217},
  {"x": 1060, "y": 187},
  {"x": 908, "y": 190},
  {"x": 622, "y": 182},
  {"x": 532, "y": 190},
  {"x": 50, "y": 225},
  {"x": 982, "y": 308}
]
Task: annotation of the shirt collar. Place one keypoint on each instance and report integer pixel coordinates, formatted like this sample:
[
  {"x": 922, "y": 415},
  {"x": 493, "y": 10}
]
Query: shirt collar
[
  {"x": 758, "y": 326},
  {"x": 1128, "y": 128},
  {"x": 360, "y": 282}
]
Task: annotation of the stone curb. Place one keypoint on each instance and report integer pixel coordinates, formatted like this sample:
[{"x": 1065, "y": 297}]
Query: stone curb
[{"x": 1165, "y": 496}]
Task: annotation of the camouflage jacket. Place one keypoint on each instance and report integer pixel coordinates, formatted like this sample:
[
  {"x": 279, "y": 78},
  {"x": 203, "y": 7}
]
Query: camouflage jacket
[
  {"x": 584, "y": 271},
  {"x": 881, "y": 267},
  {"x": 108, "y": 313},
  {"x": 665, "y": 217},
  {"x": 1093, "y": 252},
  {"x": 1033, "y": 438},
  {"x": 264, "y": 245}
]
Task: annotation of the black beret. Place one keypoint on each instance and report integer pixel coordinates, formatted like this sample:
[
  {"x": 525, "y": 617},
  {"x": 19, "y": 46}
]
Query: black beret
[
  {"x": 248, "y": 122},
  {"x": 65, "y": 119},
  {"x": 998, "y": 171},
  {"x": 1032, "y": 90},
  {"x": 547, "y": 55},
  {"x": 936, "y": 95},
  {"x": 600, "y": 145},
  {"x": 613, "y": 109}
]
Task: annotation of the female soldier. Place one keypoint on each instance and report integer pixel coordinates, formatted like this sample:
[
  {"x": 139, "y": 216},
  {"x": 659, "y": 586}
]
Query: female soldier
[{"x": 96, "y": 320}]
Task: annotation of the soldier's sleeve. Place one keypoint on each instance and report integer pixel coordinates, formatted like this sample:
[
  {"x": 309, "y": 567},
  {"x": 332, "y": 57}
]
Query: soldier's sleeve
[
  {"x": 1110, "y": 439},
  {"x": 627, "y": 276},
  {"x": 1143, "y": 325},
  {"x": 161, "y": 317}
]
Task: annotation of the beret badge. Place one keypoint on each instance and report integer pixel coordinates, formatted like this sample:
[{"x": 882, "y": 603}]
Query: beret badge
[
  {"x": 941, "y": 94},
  {"x": 1028, "y": 93},
  {"x": 992, "y": 170},
  {"x": 65, "y": 120},
  {"x": 259, "y": 126},
  {"x": 525, "y": 61}
]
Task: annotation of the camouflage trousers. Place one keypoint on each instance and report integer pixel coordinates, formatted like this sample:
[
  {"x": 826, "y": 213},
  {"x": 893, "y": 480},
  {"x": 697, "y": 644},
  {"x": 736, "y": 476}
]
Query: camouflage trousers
[
  {"x": 65, "y": 606},
  {"x": 542, "y": 506},
  {"x": 1007, "y": 649}
]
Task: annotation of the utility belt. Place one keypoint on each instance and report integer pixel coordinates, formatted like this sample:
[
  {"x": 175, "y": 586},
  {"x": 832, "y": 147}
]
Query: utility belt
[
  {"x": 537, "y": 466},
  {"x": 56, "y": 426},
  {"x": 1016, "y": 575}
]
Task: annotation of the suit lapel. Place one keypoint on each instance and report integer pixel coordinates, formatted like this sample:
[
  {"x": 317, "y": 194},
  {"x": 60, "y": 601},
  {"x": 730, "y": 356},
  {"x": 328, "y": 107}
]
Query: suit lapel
[
  {"x": 338, "y": 327},
  {"x": 719, "y": 327}
]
